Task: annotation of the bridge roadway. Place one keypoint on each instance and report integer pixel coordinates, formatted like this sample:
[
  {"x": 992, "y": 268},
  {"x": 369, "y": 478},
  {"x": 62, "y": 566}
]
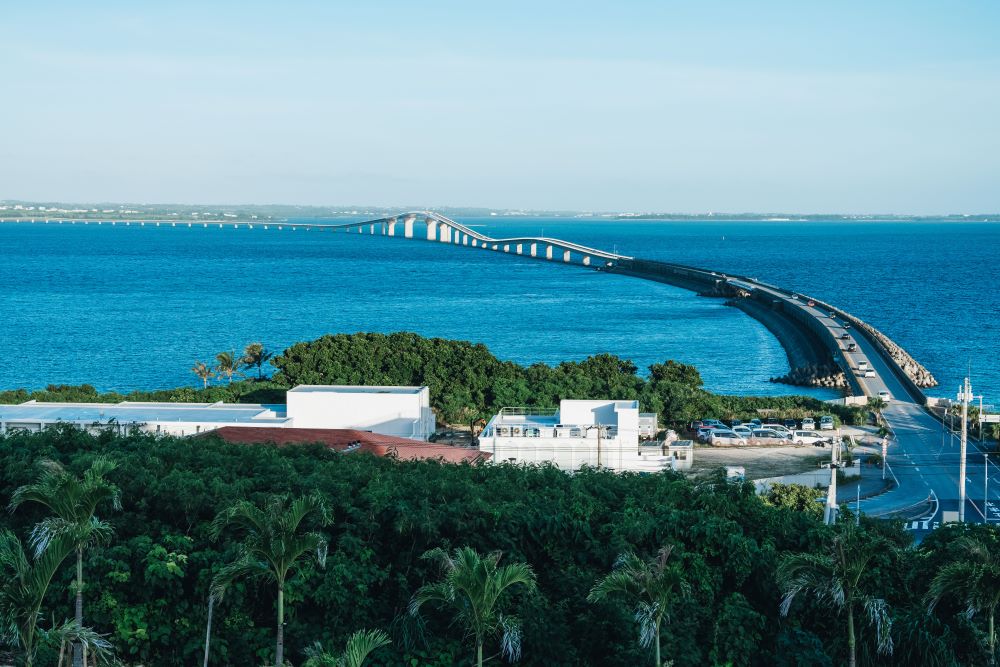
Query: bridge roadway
[{"x": 922, "y": 458}]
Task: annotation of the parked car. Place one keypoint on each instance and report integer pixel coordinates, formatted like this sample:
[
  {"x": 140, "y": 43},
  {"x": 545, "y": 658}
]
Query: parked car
[
  {"x": 695, "y": 425},
  {"x": 768, "y": 436},
  {"x": 743, "y": 431},
  {"x": 722, "y": 437},
  {"x": 826, "y": 423},
  {"x": 808, "y": 424},
  {"x": 885, "y": 396},
  {"x": 702, "y": 434},
  {"x": 734, "y": 422},
  {"x": 755, "y": 423},
  {"x": 790, "y": 424},
  {"x": 804, "y": 437},
  {"x": 785, "y": 432},
  {"x": 713, "y": 422}
]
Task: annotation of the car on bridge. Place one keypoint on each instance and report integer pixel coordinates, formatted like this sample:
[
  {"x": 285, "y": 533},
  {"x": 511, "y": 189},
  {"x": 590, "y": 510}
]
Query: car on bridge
[
  {"x": 845, "y": 336},
  {"x": 852, "y": 347},
  {"x": 885, "y": 396}
]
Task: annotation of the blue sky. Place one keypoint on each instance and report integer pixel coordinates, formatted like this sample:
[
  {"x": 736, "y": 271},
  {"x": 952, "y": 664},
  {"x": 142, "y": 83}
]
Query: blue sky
[{"x": 888, "y": 107}]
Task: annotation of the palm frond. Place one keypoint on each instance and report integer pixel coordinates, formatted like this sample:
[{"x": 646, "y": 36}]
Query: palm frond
[
  {"x": 878, "y": 615},
  {"x": 362, "y": 644},
  {"x": 510, "y": 638}
]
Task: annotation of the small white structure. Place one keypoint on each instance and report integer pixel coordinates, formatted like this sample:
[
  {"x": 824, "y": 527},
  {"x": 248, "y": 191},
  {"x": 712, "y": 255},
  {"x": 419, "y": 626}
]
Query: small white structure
[
  {"x": 397, "y": 411},
  {"x": 681, "y": 453},
  {"x": 595, "y": 433},
  {"x": 404, "y": 412}
]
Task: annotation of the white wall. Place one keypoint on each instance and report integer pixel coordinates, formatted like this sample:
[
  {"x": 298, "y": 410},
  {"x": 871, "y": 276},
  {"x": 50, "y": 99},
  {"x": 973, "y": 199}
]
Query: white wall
[{"x": 406, "y": 414}]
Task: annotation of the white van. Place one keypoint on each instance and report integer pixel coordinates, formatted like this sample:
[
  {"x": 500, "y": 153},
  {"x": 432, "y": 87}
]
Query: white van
[
  {"x": 825, "y": 423},
  {"x": 808, "y": 437},
  {"x": 862, "y": 365}
]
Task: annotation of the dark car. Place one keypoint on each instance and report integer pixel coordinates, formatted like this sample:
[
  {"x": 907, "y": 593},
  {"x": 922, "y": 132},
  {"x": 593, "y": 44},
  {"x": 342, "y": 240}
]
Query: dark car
[
  {"x": 845, "y": 336},
  {"x": 790, "y": 424}
]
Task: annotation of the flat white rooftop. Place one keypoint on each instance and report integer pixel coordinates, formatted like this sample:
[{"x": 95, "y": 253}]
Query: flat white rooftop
[
  {"x": 129, "y": 412},
  {"x": 353, "y": 389}
]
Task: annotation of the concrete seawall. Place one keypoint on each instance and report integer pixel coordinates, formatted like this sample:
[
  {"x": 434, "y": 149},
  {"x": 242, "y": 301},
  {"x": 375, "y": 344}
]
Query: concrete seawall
[{"x": 808, "y": 345}]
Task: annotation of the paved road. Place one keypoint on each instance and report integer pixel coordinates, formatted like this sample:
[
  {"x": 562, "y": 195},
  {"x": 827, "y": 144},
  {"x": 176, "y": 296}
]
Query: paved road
[{"x": 924, "y": 457}]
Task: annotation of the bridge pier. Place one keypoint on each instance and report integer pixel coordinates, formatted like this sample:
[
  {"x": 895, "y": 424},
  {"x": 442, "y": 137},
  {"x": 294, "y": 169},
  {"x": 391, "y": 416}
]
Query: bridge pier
[
  {"x": 506, "y": 247},
  {"x": 548, "y": 252},
  {"x": 495, "y": 246},
  {"x": 566, "y": 255},
  {"x": 445, "y": 236},
  {"x": 586, "y": 260},
  {"x": 408, "y": 226},
  {"x": 390, "y": 227},
  {"x": 520, "y": 249},
  {"x": 533, "y": 249},
  {"x": 475, "y": 242},
  {"x": 431, "y": 229},
  {"x": 373, "y": 230}
]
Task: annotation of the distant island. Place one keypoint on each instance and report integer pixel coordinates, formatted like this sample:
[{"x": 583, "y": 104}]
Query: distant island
[{"x": 12, "y": 209}]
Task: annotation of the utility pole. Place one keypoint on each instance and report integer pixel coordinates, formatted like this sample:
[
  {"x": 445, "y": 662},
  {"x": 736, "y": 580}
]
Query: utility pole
[
  {"x": 964, "y": 395},
  {"x": 986, "y": 486},
  {"x": 830, "y": 514},
  {"x": 885, "y": 450}
]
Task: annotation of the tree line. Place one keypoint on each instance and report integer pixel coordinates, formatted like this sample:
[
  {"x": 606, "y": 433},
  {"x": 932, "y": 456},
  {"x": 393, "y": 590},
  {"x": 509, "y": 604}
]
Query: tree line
[
  {"x": 167, "y": 551},
  {"x": 467, "y": 382}
]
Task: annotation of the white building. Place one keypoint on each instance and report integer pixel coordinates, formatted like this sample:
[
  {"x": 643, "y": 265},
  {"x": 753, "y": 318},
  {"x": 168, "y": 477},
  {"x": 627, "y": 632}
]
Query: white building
[
  {"x": 595, "y": 433},
  {"x": 396, "y": 411},
  {"x": 404, "y": 412}
]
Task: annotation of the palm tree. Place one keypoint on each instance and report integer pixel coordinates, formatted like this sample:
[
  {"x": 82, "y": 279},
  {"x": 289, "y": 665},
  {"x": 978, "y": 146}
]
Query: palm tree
[
  {"x": 24, "y": 581},
  {"x": 273, "y": 546},
  {"x": 203, "y": 371},
  {"x": 256, "y": 355},
  {"x": 834, "y": 578},
  {"x": 227, "y": 365},
  {"x": 359, "y": 646},
  {"x": 876, "y": 404},
  {"x": 973, "y": 578},
  {"x": 472, "y": 585},
  {"x": 72, "y": 501},
  {"x": 650, "y": 585}
]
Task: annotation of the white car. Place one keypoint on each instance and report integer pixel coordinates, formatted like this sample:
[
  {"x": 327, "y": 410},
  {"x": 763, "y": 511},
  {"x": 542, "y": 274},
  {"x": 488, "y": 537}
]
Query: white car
[
  {"x": 869, "y": 373},
  {"x": 769, "y": 436},
  {"x": 725, "y": 438},
  {"x": 743, "y": 431},
  {"x": 808, "y": 424},
  {"x": 862, "y": 365},
  {"x": 826, "y": 423},
  {"x": 783, "y": 431},
  {"x": 885, "y": 396},
  {"x": 808, "y": 437}
]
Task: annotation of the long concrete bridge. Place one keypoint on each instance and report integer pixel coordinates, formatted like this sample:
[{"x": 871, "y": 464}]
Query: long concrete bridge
[{"x": 820, "y": 331}]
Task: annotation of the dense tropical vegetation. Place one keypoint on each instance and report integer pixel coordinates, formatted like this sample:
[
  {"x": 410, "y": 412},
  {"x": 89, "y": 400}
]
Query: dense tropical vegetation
[
  {"x": 732, "y": 559},
  {"x": 466, "y": 381}
]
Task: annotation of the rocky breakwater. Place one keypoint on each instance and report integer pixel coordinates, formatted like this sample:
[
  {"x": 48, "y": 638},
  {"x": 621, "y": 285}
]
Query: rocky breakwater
[
  {"x": 815, "y": 375},
  {"x": 916, "y": 372}
]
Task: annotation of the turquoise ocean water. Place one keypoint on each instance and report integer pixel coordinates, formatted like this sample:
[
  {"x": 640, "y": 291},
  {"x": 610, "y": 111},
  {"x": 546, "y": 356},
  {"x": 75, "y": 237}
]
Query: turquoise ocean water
[{"x": 134, "y": 307}]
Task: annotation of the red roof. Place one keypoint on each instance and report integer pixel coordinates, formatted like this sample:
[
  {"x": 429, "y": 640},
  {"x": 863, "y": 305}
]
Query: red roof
[{"x": 341, "y": 439}]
